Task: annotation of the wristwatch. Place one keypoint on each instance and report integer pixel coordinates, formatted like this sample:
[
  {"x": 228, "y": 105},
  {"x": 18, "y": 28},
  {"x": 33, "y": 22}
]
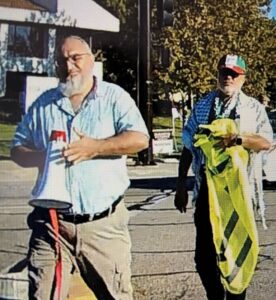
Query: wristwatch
[{"x": 239, "y": 141}]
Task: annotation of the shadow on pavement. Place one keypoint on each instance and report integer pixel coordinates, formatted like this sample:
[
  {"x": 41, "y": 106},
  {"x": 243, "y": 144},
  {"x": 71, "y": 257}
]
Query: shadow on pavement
[
  {"x": 162, "y": 184},
  {"x": 2, "y": 157},
  {"x": 169, "y": 183}
]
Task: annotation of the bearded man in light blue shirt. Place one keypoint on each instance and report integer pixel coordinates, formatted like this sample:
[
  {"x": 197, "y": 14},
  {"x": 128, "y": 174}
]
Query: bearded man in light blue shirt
[{"x": 102, "y": 124}]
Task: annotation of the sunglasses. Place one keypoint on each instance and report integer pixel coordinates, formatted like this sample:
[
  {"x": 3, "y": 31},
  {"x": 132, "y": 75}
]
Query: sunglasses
[{"x": 228, "y": 72}]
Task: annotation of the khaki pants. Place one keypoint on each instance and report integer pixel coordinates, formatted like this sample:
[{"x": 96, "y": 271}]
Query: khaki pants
[{"x": 99, "y": 249}]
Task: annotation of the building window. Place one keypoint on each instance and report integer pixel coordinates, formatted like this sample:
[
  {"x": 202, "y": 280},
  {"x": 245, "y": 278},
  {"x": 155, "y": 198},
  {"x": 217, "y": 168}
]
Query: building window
[{"x": 28, "y": 41}]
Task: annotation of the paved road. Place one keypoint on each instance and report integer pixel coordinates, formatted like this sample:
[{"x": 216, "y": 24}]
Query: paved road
[{"x": 163, "y": 239}]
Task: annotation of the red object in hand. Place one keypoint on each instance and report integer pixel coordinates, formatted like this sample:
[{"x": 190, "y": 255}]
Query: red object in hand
[{"x": 57, "y": 135}]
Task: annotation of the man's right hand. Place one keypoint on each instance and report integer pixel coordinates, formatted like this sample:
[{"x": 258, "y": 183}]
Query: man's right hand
[{"x": 181, "y": 197}]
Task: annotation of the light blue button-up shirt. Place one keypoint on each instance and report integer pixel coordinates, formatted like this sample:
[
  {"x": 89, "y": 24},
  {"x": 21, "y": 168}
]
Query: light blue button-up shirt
[{"x": 107, "y": 111}]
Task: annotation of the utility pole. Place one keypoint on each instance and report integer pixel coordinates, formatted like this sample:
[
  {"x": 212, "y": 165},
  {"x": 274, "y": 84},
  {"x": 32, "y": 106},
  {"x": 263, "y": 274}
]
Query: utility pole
[{"x": 144, "y": 97}]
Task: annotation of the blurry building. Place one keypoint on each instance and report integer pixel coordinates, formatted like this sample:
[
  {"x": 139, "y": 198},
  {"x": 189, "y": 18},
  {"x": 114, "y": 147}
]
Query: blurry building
[{"x": 31, "y": 30}]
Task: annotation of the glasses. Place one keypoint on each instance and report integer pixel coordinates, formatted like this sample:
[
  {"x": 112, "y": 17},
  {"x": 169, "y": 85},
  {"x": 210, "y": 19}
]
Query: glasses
[
  {"x": 73, "y": 59},
  {"x": 228, "y": 72}
]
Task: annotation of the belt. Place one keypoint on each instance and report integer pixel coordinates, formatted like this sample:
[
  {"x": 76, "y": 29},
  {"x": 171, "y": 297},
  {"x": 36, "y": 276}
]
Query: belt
[{"x": 82, "y": 218}]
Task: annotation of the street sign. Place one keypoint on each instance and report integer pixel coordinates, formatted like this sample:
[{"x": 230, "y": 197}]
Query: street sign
[{"x": 162, "y": 141}]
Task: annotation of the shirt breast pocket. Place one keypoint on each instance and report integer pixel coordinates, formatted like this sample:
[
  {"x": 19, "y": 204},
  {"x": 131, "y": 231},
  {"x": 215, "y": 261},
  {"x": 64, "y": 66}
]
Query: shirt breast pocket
[{"x": 102, "y": 127}]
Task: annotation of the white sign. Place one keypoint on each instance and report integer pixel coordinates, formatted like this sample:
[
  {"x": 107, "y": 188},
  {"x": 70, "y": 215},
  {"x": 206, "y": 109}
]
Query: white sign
[
  {"x": 35, "y": 86},
  {"x": 162, "y": 141},
  {"x": 98, "y": 69},
  {"x": 162, "y": 146}
]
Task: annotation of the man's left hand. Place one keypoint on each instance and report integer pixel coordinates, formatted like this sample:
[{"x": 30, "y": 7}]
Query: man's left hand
[
  {"x": 84, "y": 148},
  {"x": 229, "y": 140},
  {"x": 226, "y": 141}
]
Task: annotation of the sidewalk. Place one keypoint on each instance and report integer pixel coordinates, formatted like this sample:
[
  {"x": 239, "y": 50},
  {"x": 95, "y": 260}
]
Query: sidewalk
[{"x": 9, "y": 171}]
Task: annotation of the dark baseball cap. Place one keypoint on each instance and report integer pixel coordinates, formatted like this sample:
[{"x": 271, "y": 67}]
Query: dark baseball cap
[{"x": 232, "y": 62}]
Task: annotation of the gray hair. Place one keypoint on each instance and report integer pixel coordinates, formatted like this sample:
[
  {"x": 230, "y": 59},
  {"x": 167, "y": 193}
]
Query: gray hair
[{"x": 76, "y": 37}]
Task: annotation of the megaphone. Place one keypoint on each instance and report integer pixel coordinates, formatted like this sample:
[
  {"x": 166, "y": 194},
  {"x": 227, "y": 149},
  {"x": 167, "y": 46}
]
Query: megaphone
[{"x": 53, "y": 191}]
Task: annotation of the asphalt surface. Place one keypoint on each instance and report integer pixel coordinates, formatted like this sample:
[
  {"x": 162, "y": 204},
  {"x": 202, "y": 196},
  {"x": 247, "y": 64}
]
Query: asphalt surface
[{"x": 162, "y": 238}]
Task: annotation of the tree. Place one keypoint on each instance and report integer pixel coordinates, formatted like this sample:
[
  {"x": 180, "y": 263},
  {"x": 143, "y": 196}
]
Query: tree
[
  {"x": 119, "y": 50},
  {"x": 204, "y": 30}
]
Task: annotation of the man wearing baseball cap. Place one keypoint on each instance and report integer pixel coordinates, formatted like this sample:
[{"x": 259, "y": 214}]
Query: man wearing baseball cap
[
  {"x": 225, "y": 130},
  {"x": 232, "y": 62}
]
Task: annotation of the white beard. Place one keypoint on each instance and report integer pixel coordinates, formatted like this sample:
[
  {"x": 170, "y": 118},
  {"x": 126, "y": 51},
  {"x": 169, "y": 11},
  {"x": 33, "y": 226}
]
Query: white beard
[
  {"x": 72, "y": 86},
  {"x": 227, "y": 90}
]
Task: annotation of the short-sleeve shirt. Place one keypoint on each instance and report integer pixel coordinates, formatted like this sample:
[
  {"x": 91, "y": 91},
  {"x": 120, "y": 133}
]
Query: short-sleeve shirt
[{"x": 107, "y": 111}]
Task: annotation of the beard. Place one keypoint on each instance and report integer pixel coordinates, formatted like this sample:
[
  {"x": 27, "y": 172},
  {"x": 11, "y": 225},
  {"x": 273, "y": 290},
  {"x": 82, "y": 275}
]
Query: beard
[
  {"x": 72, "y": 86},
  {"x": 227, "y": 90}
]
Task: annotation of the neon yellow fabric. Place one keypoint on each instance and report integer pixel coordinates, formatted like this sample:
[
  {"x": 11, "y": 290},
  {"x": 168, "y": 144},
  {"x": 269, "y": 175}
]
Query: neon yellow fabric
[{"x": 231, "y": 213}]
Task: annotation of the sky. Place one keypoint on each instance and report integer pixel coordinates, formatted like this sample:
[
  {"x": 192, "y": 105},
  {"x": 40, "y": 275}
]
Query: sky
[{"x": 273, "y": 10}]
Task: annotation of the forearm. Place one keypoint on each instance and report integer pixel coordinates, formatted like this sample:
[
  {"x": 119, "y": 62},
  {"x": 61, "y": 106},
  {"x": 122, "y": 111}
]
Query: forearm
[
  {"x": 181, "y": 194},
  {"x": 88, "y": 148},
  {"x": 125, "y": 143},
  {"x": 254, "y": 142},
  {"x": 184, "y": 163},
  {"x": 27, "y": 157}
]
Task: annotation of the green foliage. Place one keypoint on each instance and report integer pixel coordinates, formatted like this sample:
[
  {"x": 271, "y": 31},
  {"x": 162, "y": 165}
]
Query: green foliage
[
  {"x": 6, "y": 135},
  {"x": 120, "y": 49},
  {"x": 118, "y": 8},
  {"x": 204, "y": 30}
]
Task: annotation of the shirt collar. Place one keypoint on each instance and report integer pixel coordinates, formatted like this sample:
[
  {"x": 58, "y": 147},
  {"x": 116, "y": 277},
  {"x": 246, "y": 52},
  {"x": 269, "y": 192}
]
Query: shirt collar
[{"x": 64, "y": 103}]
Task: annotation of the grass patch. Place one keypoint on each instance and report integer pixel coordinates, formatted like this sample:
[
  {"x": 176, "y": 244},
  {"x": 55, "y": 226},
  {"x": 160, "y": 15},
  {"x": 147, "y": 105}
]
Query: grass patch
[{"x": 6, "y": 135}]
